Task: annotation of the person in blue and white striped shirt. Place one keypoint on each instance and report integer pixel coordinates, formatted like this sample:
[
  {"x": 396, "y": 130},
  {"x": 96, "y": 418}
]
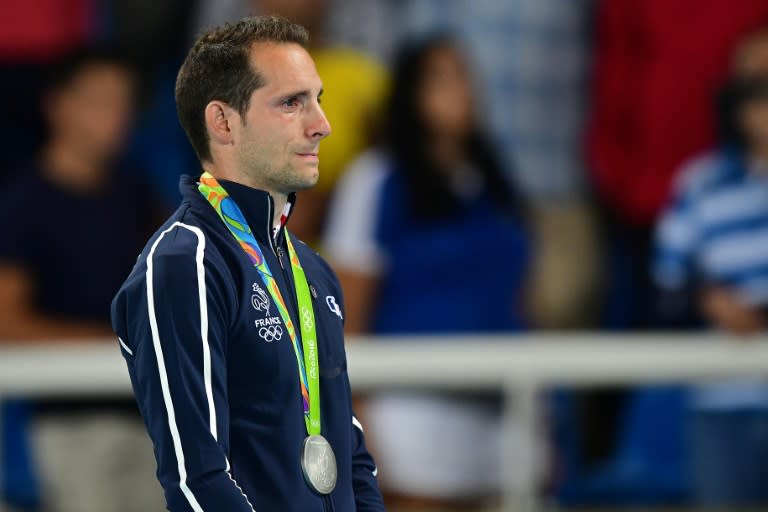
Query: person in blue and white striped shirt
[{"x": 713, "y": 240}]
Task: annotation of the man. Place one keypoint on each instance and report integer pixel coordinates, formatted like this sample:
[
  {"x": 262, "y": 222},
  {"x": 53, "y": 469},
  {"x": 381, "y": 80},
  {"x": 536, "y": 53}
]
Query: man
[
  {"x": 247, "y": 400},
  {"x": 71, "y": 223},
  {"x": 712, "y": 251}
]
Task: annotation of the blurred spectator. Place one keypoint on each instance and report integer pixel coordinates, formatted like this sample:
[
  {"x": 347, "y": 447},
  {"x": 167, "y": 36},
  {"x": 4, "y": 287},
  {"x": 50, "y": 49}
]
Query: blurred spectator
[
  {"x": 32, "y": 35},
  {"x": 71, "y": 224},
  {"x": 657, "y": 67},
  {"x": 713, "y": 243},
  {"x": 532, "y": 59},
  {"x": 657, "y": 64},
  {"x": 427, "y": 237},
  {"x": 70, "y": 214}
]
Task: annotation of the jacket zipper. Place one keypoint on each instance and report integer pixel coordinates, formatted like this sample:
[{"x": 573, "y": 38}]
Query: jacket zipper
[
  {"x": 280, "y": 257},
  {"x": 276, "y": 249},
  {"x": 291, "y": 299},
  {"x": 270, "y": 216}
]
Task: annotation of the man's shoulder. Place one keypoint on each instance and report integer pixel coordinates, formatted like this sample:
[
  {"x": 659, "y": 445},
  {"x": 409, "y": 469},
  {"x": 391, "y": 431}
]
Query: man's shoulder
[
  {"x": 185, "y": 234},
  {"x": 177, "y": 254}
]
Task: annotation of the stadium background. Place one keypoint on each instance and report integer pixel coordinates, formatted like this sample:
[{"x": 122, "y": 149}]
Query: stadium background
[{"x": 595, "y": 109}]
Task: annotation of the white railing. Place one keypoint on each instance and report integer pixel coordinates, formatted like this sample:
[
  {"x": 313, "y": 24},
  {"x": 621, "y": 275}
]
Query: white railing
[{"x": 520, "y": 366}]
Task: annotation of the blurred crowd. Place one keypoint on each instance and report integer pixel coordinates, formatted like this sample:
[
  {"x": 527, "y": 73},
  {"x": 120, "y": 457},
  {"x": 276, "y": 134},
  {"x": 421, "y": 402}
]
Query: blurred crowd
[{"x": 496, "y": 166}]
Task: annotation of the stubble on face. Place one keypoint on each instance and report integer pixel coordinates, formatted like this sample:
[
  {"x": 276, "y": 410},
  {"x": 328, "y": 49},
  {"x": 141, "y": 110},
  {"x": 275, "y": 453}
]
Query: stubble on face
[{"x": 268, "y": 162}]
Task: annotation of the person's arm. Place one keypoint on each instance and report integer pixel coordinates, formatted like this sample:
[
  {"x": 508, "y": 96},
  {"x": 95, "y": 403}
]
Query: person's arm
[
  {"x": 723, "y": 308},
  {"x": 351, "y": 242},
  {"x": 360, "y": 290},
  {"x": 172, "y": 323},
  {"x": 307, "y": 221},
  {"x": 20, "y": 321},
  {"x": 677, "y": 240}
]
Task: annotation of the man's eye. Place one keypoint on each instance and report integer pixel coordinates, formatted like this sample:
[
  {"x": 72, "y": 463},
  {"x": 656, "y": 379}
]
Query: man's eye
[{"x": 290, "y": 103}]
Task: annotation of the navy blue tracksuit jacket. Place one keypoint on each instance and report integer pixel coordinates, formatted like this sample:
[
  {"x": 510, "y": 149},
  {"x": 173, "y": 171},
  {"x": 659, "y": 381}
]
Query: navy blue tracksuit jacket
[{"x": 214, "y": 371}]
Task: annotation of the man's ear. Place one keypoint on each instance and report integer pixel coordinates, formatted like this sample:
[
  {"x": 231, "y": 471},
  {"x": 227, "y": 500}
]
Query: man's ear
[{"x": 220, "y": 119}]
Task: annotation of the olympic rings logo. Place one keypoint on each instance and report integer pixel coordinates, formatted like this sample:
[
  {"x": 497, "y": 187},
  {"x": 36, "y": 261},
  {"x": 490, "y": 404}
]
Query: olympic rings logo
[
  {"x": 271, "y": 333},
  {"x": 306, "y": 317}
]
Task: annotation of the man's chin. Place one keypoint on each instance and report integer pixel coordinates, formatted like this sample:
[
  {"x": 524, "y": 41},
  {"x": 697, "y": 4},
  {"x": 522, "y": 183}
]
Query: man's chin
[
  {"x": 313, "y": 177},
  {"x": 311, "y": 182},
  {"x": 304, "y": 182}
]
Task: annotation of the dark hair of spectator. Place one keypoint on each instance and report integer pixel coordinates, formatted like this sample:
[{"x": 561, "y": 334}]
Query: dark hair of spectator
[
  {"x": 737, "y": 94},
  {"x": 217, "y": 68},
  {"x": 65, "y": 70},
  {"x": 431, "y": 196}
]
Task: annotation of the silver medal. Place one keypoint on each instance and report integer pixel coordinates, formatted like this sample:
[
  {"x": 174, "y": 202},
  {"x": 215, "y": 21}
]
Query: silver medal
[{"x": 318, "y": 463}]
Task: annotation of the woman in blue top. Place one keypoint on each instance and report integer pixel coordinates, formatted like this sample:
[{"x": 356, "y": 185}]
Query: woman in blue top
[{"x": 428, "y": 236}]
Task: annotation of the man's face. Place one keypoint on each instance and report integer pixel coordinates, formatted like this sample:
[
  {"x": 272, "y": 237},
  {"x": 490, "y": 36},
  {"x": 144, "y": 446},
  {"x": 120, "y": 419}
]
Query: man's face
[
  {"x": 753, "y": 60},
  {"x": 754, "y": 121},
  {"x": 93, "y": 112},
  {"x": 445, "y": 94},
  {"x": 278, "y": 140}
]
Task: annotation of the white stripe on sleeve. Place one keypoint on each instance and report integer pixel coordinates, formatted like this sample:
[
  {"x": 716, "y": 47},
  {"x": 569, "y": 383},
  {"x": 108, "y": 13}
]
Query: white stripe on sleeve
[
  {"x": 161, "y": 362},
  {"x": 202, "y": 297}
]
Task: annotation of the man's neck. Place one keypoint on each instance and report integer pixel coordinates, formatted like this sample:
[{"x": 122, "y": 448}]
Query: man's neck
[{"x": 280, "y": 200}]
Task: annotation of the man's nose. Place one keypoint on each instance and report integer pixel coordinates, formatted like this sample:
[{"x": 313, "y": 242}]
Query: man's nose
[{"x": 320, "y": 128}]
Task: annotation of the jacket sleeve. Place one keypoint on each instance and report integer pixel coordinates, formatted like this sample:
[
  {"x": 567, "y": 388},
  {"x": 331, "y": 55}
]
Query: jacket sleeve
[
  {"x": 172, "y": 321},
  {"x": 367, "y": 494}
]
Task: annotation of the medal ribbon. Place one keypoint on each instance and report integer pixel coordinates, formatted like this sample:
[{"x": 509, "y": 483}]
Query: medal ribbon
[{"x": 305, "y": 348}]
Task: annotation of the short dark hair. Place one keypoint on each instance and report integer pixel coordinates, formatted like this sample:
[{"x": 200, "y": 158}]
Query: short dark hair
[
  {"x": 733, "y": 98},
  {"x": 217, "y": 68},
  {"x": 745, "y": 86},
  {"x": 407, "y": 139},
  {"x": 66, "y": 69}
]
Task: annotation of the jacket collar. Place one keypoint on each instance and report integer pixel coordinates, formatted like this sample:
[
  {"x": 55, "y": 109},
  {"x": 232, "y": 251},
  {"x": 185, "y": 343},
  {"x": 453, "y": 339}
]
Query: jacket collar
[{"x": 257, "y": 206}]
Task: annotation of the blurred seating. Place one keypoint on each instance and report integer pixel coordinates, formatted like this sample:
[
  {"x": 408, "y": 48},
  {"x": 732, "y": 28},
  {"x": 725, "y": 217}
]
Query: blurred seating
[{"x": 648, "y": 464}]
